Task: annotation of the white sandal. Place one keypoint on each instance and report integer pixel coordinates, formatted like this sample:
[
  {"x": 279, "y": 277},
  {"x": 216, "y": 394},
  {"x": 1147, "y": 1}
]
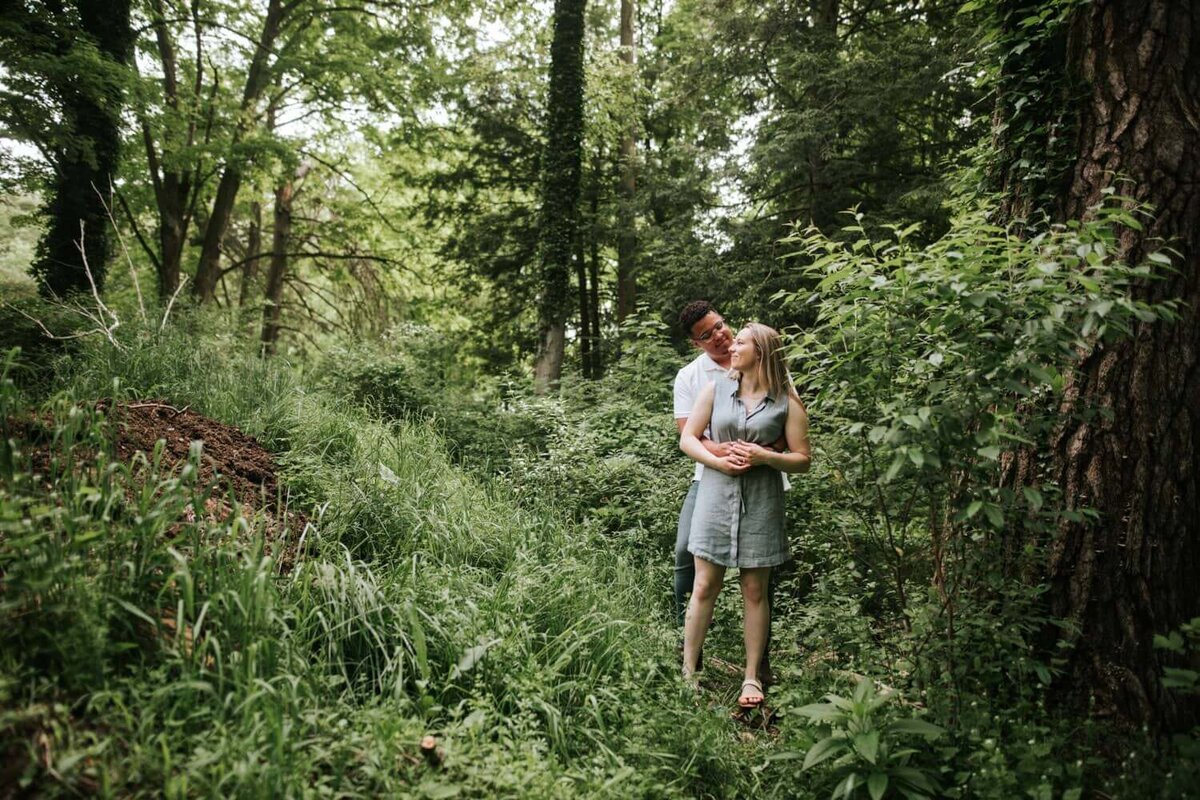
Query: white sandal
[{"x": 762, "y": 696}]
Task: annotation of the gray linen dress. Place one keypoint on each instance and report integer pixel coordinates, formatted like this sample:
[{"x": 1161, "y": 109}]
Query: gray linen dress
[{"x": 738, "y": 521}]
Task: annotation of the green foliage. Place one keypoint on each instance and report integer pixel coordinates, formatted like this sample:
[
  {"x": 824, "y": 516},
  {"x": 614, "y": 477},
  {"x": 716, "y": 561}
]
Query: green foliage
[
  {"x": 932, "y": 365},
  {"x": 192, "y": 665},
  {"x": 871, "y": 754},
  {"x": 1183, "y": 644}
]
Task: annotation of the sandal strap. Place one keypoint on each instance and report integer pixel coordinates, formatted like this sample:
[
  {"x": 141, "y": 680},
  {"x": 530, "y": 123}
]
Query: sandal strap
[{"x": 754, "y": 683}]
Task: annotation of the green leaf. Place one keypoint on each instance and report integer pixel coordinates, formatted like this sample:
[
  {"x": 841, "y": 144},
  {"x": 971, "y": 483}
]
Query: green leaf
[
  {"x": 1043, "y": 673},
  {"x": 470, "y": 658},
  {"x": 914, "y": 777},
  {"x": 973, "y": 508},
  {"x": 1173, "y": 642},
  {"x": 877, "y": 784},
  {"x": 917, "y": 726},
  {"x": 994, "y": 514},
  {"x": 823, "y": 750},
  {"x": 1033, "y": 497},
  {"x": 847, "y": 786},
  {"x": 867, "y": 745},
  {"x": 991, "y": 452},
  {"x": 822, "y": 712},
  {"x": 417, "y": 636}
]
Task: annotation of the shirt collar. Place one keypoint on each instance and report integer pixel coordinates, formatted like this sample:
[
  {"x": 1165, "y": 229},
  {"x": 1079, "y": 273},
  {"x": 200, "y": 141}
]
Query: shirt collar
[{"x": 737, "y": 385}]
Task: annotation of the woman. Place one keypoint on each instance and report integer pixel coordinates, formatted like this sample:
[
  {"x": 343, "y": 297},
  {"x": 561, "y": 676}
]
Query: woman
[{"x": 738, "y": 519}]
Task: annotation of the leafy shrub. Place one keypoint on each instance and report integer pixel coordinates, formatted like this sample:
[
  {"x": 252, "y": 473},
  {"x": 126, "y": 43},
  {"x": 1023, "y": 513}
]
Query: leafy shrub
[{"x": 869, "y": 752}]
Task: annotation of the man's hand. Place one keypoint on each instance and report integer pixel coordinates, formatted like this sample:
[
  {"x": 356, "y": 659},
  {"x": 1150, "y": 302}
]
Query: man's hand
[
  {"x": 718, "y": 449},
  {"x": 753, "y": 454}
]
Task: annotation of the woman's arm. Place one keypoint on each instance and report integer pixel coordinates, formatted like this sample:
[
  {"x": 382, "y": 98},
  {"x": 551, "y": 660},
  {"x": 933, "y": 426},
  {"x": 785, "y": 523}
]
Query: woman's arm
[
  {"x": 798, "y": 458},
  {"x": 689, "y": 438}
]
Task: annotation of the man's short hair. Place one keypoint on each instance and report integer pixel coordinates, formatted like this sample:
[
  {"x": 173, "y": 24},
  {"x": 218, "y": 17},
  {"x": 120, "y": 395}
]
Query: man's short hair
[{"x": 692, "y": 313}]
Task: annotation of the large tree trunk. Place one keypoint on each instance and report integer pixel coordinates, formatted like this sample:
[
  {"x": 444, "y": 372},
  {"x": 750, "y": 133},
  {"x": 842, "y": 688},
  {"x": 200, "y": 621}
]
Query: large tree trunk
[
  {"x": 561, "y": 186},
  {"x": 208, "y": 272},
  {"x": 76, "y": 242},
  {"x": 1133, "y": 573},
  {"x": 627, "y": 227}
]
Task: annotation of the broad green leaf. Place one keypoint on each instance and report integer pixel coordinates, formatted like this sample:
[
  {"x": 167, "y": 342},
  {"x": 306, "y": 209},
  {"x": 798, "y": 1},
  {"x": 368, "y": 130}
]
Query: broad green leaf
[
  {"x": 823, "y": 750},
  {"x": 991, "y": 452},
  {"x": 917, "y": 726},
  {"x": 867, "y": 745},
  {"x": 877, "y": 784},
  {"x": 994, "y": 514}
]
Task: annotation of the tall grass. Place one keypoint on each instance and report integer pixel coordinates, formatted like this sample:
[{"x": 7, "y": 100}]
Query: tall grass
[{"x": 145, "y": 654}]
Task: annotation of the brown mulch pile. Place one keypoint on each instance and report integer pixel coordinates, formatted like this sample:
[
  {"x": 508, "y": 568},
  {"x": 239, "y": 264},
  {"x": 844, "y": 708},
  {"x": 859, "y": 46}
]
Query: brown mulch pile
[{"x": 228, "y": 457}]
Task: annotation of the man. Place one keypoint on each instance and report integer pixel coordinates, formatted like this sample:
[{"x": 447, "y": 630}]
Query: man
[{"x": 707, "y": 330}]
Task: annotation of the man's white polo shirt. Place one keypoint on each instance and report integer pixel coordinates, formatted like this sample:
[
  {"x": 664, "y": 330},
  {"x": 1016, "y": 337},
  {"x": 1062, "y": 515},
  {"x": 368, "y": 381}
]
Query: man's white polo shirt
[{"x": 689, "y": 382}]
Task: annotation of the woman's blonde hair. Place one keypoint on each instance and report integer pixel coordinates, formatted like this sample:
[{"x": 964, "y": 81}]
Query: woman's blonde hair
[{"x": 771, "y": 370}]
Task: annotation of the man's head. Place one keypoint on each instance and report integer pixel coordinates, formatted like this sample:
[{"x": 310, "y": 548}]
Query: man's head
[{"x": 707, "y": 330}]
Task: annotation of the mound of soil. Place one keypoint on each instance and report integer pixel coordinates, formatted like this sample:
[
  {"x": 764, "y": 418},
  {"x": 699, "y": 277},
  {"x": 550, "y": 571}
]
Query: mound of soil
[{"x": 228, "y": 457}]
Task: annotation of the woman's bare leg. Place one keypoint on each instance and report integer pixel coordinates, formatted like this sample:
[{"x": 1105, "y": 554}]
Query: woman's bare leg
[
  {"x": 757, "y": 615},
  {"x": 700, "y": 610}
]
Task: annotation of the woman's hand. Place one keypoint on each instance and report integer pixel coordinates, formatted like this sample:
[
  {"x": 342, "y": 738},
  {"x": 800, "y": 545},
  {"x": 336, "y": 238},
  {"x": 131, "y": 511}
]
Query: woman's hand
[
  {"x": 753, "y": 454},
  {"x": 733, "y": 465}
]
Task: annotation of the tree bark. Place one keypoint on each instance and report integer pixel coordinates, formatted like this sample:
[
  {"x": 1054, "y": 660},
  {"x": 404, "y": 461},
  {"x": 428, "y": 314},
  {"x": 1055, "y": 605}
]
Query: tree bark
[
  {"x": 562, "y": 169},
  {"x": 281, "y": 236},
  {"x": 585, "y": 326},
  {"x": 257, "y": 78},
  {"x": 253, "y": 248},
  {"x": 627, "y": 236},
  {"x": 593, "y": 299},
  {"x": 1133, "y": 573}
]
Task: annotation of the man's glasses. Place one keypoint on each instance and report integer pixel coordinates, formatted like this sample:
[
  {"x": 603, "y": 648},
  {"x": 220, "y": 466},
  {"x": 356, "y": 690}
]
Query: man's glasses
[{"x": 719, "y": 325}]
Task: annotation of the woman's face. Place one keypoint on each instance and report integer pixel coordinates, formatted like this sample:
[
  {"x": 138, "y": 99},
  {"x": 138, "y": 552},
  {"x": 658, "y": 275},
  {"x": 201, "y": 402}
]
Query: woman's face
[{"x": 742, "y": 355}]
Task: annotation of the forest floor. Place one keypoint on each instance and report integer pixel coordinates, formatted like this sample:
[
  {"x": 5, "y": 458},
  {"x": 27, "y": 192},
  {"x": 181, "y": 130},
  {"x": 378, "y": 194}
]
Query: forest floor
[{"x": 244, "y": 471}]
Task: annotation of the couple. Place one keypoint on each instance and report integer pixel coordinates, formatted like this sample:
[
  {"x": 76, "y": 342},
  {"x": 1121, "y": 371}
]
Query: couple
[{"x": 740, "y": 419}]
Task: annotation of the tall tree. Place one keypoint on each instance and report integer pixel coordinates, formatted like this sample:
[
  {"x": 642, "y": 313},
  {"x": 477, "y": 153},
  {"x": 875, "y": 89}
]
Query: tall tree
[
  {"x": 562, "y": 167},
  {"x": 187, "y": 117},
  {"x": 1132, "y": 573},
  {"x": 64, "y": 92},
  {"x": 627, "y": 226},
  {"x": 257, "y": 79},
  {"x": 281, "y": 244}
]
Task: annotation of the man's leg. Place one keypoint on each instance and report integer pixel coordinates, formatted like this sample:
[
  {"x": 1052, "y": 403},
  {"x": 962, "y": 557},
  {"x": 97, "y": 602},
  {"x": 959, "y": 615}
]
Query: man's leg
[{"x": 685, "y": 568}]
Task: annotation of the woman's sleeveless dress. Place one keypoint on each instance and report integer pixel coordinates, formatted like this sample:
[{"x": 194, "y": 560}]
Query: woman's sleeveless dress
[{"x": 738, "y": 521}]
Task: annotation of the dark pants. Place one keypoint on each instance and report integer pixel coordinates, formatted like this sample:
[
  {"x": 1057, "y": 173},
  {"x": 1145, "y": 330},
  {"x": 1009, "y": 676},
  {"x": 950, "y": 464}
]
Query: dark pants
[{"x": 685, "y": 571}]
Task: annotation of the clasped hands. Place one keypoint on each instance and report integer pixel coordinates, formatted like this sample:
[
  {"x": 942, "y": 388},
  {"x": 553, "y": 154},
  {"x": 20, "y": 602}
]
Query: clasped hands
[{"x": 738, "y": 457}]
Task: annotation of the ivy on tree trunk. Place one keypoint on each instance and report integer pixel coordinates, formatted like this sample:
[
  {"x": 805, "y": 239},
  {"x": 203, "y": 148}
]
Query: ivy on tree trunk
[
  {"x": 561, "y": 187},
  {"x": 77, "y": 239}
]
